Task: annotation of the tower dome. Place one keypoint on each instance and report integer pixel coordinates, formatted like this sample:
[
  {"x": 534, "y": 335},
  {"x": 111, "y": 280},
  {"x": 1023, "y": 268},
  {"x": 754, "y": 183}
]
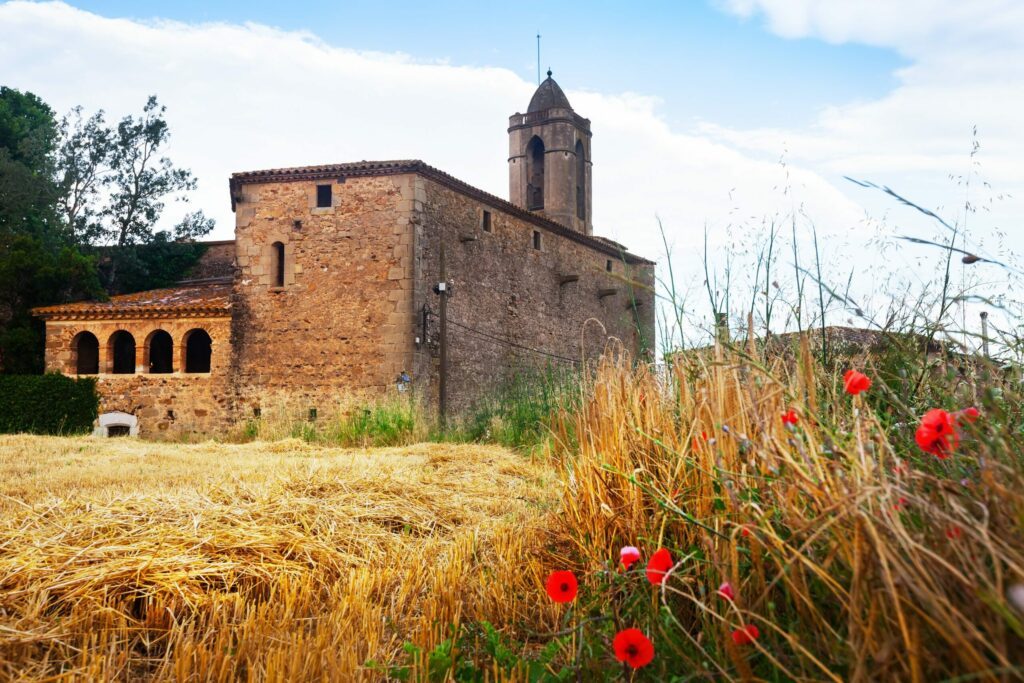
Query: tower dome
[
  {"x": 548, "y": 96},
  {"x": 549, "y": 163}
]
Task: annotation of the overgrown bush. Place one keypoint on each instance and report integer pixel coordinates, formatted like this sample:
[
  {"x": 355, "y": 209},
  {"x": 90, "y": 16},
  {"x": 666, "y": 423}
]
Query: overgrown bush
[
  {"x": 519, "y": 412},
  {"x": 393, "y": 420},
  {"x": 47, "y": 404}
]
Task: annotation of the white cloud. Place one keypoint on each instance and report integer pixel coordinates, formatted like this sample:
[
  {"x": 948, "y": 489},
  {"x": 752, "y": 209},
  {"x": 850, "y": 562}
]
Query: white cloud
[
  {"x": 244, "y": 97},
  {"x": 967, "y": 71},
  {"x": 248, "y": 96}
]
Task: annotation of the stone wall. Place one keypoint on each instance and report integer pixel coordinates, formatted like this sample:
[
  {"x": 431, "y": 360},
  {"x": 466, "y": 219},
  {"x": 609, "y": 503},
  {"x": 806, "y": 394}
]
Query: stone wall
[
  {"x": 513, "y": 306},
  {"x": 173, "y": 405},
  {"x": 217, "y": 261},
  {"x": 342, "y": 322}
]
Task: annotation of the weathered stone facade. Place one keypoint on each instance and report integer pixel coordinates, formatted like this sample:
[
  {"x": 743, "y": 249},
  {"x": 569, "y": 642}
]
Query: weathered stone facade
[
  {"x": 175, "y": 403},
  {"x": 342, "y": 318},
  {"x": 514, "y": 306},
  {"x": 332, "y": 288}
]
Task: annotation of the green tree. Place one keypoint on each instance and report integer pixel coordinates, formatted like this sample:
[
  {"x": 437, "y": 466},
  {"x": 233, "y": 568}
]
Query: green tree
[
  {"x": 79, "y": 204},
  {"x": 128, "y": 163},
  {"x": 82, "y": 171},
  {"x": 39, "y": 262}
]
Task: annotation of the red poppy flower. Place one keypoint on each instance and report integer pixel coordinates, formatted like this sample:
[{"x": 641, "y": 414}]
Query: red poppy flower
[
  {"x": 790, "y": 417},
  {"x": 628, "y": 555},
  {"x": 936, "y": 434},
  {"x": 658, "y": 566},
  {"x": 696, "y": 444},
  {"x": 562, "y": 586},
  {"x": 746, "y": 635},
  {"x": 970, "y": 414},
  {"x": 726, "y": 591},
  {"x": 899, "y": 504},
  {"x": 953, "y": 533},
  {"x": 744, "y": 531},
  {"x": 633, "y": 647},
  {"x": 856, "y": 382}
]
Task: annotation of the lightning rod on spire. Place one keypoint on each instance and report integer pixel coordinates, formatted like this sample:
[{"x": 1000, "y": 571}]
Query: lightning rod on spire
[{"x": 538, "y": 58}]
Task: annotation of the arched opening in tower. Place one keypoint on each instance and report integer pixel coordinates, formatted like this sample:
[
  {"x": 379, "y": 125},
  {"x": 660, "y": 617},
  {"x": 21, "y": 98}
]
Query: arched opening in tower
[
  {"x": 535, "y": 174},
  {"x": 581, "y": 182}
]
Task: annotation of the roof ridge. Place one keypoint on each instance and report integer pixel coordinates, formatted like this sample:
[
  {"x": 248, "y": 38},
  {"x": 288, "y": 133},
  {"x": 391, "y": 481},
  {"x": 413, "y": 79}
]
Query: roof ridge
[{"x": 394, "y": 167}]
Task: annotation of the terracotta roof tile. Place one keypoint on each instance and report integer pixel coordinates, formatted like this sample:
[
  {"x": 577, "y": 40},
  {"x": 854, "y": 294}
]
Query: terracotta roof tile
[{"x": 203, "y": 299}]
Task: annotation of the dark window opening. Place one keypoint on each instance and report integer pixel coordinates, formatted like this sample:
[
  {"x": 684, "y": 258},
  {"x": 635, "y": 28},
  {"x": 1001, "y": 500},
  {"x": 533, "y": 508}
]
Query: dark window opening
[
  {"x": 278, "y": 264},
  {"x": 312, "y": 414},
  {"x": 323, "y": 196},
  {"x": 122, "y": 346},
  {"x": 87, "y": 354},
  {"x": 256, "y": 411},
  {"x": 608, "y": 265},
  {"x": 581, "y": 181},
  {"x": 535, "y": 174},
  {"x": 118, "y": 430},
  {"x": 536, "y": 239},
  {"x": 161, "y": 353},
  {"x": 487, "y": 221},
  {"x": 198, "y": 349}
]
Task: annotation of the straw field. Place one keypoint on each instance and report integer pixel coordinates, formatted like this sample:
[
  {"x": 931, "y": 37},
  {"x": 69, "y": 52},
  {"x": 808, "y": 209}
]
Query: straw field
[
  {"x": 804, "y": 534},
  {"x": 281, "y": 561}
]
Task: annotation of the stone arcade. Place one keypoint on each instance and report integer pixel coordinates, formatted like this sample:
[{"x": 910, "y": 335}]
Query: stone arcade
[{"x": 329, "y": 288}]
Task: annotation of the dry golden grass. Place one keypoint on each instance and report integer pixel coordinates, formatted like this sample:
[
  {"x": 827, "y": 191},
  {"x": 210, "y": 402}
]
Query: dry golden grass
[
  {"x": 854, "y": 563},
  {"x": 281, "y": 561}
]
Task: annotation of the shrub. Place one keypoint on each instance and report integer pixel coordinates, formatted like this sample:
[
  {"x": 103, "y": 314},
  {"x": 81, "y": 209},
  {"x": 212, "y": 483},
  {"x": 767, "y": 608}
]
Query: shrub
[
  {"x": 519, "y": 412},
  {"x": 387, "y": 423},
  {"x": 47, "y": 404}
]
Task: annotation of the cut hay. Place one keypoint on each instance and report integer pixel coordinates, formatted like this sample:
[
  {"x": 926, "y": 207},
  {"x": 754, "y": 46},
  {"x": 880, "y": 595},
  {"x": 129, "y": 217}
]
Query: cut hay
[{"x": 122, "y": 559}]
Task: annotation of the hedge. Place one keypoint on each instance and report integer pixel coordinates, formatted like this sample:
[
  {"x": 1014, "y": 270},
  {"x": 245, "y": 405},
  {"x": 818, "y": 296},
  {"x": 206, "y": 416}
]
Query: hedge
[{"x": 47, "y": 404}]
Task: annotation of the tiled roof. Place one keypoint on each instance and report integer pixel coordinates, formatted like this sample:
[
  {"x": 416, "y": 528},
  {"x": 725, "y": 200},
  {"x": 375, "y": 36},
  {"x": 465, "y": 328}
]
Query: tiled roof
[
  {"x": 397, "y": 167},
  {"x": 865, "y": 339},
  {"x": 548, "y": 96},
  {"x": 206, "y": 299}
]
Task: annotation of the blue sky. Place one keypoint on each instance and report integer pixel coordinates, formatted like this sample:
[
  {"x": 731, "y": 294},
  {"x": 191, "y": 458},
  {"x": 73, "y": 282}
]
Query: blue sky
[
  {"x": 717, "y": 118},
  {"x": 704, "y": 63}
]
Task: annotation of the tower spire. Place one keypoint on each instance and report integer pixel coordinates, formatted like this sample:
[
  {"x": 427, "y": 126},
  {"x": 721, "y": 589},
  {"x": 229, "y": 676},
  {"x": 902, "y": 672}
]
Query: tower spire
[{"x": 538, "y": 57}]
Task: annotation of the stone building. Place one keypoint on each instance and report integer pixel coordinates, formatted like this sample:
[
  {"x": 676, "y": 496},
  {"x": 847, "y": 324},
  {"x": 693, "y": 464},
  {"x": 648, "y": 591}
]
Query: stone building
[{"x": 332, "y": 286}]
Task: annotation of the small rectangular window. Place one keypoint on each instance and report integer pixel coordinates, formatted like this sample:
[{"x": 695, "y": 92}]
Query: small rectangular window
[
  {"x": 312, "y": 414},
  {"x": 608, "y": 265},
  {"x": 536, "y": 239},
  {"x": 323, "y": 196},
  {"x": 487, "y": 221}
]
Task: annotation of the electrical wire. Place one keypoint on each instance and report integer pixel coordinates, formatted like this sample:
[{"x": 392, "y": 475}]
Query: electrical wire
[{"x": 506, "y": 342}]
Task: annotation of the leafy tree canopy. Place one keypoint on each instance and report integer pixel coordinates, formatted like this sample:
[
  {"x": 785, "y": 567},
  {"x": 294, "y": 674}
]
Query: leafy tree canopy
[{"x": 79, "y": 204}]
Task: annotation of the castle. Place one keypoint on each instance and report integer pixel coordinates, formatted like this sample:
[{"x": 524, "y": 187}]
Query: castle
[{"x": 336, "y": 283}]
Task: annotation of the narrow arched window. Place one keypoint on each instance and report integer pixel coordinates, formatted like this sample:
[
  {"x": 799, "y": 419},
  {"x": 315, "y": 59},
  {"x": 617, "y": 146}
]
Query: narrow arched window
[
  {"x": 85, "y": 349},
  {"x": 198, "y": 349},
  {"x": 160, "y": 352},
  {"x": 581, "y": 181},
  {"x": 122, "y": 353},
  {"x": 277, "y": 264},
  {"x": 535, "y": 174}
]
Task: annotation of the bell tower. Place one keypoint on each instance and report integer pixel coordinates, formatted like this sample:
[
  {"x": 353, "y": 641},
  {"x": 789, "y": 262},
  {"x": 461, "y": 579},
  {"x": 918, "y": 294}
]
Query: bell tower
[{"x": 549, "y": 164}]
